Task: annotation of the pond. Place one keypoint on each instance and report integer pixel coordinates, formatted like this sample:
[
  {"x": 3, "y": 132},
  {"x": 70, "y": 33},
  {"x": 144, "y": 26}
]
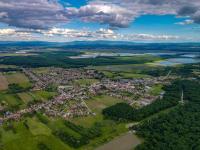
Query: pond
[{"x": 177, "y": 61}]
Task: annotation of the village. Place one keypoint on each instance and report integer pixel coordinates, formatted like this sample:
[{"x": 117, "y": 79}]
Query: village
[{"x": 71, "y": 99}]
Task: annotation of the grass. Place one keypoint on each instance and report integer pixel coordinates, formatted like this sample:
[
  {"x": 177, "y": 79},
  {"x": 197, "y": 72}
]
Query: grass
[
  {"x": 10, "y": 99},
  {"x": 38, "y": 128},
  {"x": 26, "y": 97},
  {"x": 110, "y": 130},
  {"x": 3, "y": 83},
  {"x": 132, "y": 68},
  {"x": 7, "y": 66},
  {"x": 37, "y": 132},
  {"x": 108, "y": 74},
  {"x": 43, "y": 95},
  {"x": 28, "y": 139},
  {"x": 18, "y": 78},
  {"x": 87, "y": 121},
  {"x": 86, "y": 81},
  {"x": 41, "y": 70},
  {"x": 132, "y": 75},
  {"x": 15, "y": 54},
  {"x": 156, "y": 90},
  {"x": 98, "y": 103}
]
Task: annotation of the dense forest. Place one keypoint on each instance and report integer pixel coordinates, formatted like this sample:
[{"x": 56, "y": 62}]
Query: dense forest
[
  {"x": 184, "y": 71},
  {"x": 61, "y": 59},
  {"x": 177, "y": 129}
]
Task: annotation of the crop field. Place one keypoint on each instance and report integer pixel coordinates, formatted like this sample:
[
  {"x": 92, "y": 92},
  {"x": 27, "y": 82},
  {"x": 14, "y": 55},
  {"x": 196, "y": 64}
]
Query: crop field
[
  {"x": 97, "y": 104},
  {"x": 131, "y": 68},
  {"x": 27, "y": 137},
  {"x": 86, "y": 81},
  {"x": 16, "y": 54},
  {"x": 26, "y": 97},
  {"x": 18, "y": 78},
  {"x": 3, "y": 83},
  {"x": 10, "y": 99},
  {"x": 41, "y": 70},
  {"x": 37, "y": 128},
  {"x": 132, "y": 75},
  {"x": 43, "y": 95}
]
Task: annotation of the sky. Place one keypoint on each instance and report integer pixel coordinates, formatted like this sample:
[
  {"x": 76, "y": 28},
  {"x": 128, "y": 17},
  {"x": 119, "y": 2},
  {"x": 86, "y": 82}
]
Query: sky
[{"x": 116, "y": 20}]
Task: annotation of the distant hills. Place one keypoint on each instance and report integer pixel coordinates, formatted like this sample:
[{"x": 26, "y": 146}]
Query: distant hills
[{"x": 104, "y": 45}]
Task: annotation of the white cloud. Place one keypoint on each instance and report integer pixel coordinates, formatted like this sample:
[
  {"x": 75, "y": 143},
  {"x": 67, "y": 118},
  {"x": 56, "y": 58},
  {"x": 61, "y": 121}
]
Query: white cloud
[
  {"x": 44, "y": 14},
  {"x": 10, "y": 34},
  {"x": 186, "y": 22},
  {"x": 7, "y": 32}
]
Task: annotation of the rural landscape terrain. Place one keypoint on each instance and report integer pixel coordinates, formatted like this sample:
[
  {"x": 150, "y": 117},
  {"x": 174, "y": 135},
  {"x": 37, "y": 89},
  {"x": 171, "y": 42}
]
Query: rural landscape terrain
[
  {"x": 99, "y": 74},
  {"x": 64, "y": 98}
]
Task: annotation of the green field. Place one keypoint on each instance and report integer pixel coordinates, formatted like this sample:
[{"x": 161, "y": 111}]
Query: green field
[
  {"x": 42, "y": 95},
  {"x": 26, "y": 97},
  {"x": 97, "y": 104},
  {"x": 3, "y": 82},
  {"x": 85, "y": 81},
  {"x": 10, "y": 100},
  {"x": 156, "y": 90},
  {"x": 18, "y": 78},
  {"x": 28, "y": 138}
]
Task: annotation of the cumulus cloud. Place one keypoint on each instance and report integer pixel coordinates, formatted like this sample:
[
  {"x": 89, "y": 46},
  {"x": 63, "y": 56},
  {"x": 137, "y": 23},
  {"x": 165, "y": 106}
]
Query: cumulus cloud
[
  {"x": 65, "y": 34},
  {"x": 10, "y": 34},
  {"x": 80, "y": 34},
  {"x": 186, "y": 22},
  {"x": 40, "y": 14},
  {"x": 119, "y": 13},
  {"x": 31, "y": 13}
]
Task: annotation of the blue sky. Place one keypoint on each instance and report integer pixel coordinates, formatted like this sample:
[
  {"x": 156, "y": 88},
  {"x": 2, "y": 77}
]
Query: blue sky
[{"x": 128, "y": 20}]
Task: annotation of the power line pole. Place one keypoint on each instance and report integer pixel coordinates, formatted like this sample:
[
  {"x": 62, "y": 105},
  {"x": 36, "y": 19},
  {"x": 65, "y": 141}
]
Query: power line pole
[{"x": 182, "y": 98}]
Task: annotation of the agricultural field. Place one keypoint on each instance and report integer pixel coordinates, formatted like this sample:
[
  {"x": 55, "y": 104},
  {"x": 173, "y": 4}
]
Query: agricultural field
[
  {"x": 3, "y": 82},
  {"x": 10, "y": 100},
  {"x": 43, "y": 95},
  {"x": 18, "y": 78},
  {"x": 28, "y": 135},
  {"x": 83, "y": 82},
  {"x": 97, "y": 104},
  {"x": 16, "y": 54},
  {"x": 156, "y": 90}
]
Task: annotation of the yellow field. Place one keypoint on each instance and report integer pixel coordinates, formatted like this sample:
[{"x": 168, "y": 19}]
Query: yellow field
[{"x": 3, "y": 83}]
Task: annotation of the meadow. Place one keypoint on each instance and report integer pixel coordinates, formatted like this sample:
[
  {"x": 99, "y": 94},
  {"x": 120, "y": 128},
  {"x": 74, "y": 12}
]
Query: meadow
[{"x": 3, "y": 82}]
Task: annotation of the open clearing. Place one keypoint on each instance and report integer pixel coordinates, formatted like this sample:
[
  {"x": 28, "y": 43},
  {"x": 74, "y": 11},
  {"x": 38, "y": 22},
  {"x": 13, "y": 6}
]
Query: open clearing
[
  {"x": 38, "y": 128},
  {"x": 18, "y": 78},
  {"x": 86, "y": 81},
  {"x": 3, "y": 83},
  {"x": 127, "y": 141},
  {"x": 25, "y": 97},
  {"x": 97, "y": 104}
]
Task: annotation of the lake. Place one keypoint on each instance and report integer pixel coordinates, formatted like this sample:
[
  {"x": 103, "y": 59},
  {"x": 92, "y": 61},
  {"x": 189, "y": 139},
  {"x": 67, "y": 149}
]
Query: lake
[{"x": 177, "y": 61}]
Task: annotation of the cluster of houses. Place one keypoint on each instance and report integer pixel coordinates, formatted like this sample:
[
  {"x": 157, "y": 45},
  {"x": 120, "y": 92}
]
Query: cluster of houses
[
  {"x": 58, "y": 76},
  {"x": 70, "y": 101},
  {"x": 133, "y": 91}
]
